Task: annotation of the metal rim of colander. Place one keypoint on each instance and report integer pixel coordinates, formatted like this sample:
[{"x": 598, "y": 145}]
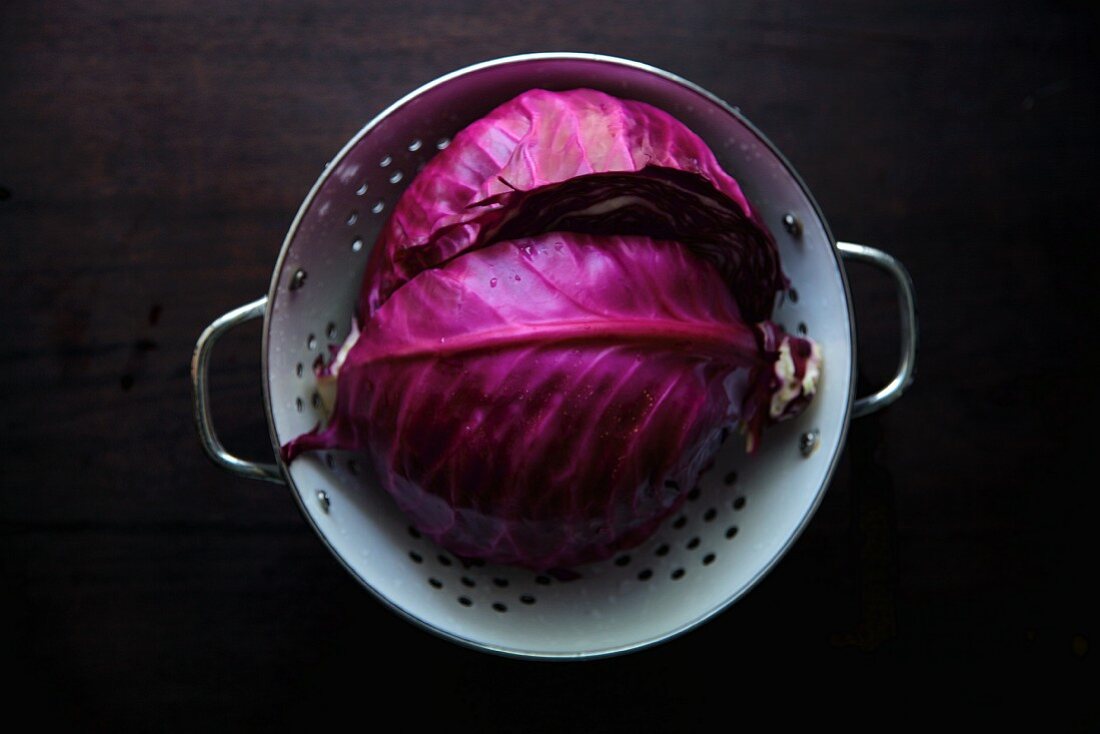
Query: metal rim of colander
[{"x": 276, "y": 279}]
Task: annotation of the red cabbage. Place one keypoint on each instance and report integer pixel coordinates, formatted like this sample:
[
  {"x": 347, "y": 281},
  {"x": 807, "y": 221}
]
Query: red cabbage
[{"x": 565, "y": 314}]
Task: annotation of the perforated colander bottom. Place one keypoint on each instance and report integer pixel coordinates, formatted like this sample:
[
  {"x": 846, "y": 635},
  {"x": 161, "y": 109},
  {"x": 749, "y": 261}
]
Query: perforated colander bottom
[{"x": 691, "y": 540}]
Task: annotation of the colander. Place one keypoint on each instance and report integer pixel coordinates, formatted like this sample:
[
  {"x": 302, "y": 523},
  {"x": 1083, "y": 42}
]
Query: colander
[{"x": 744, "y": 514}]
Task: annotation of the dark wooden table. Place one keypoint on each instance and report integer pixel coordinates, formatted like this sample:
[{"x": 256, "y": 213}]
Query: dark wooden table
[{"x": 152, "y": 155}]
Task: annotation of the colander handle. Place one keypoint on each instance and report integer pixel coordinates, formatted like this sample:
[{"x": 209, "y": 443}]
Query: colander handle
[
  {"x": 908, "y": 306},
  {"x": 200, "y": 385}
]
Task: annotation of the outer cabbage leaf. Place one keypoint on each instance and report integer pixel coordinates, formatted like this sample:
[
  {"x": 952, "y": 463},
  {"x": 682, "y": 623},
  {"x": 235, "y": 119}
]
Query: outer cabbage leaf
[{"x": 543, "y": 401}]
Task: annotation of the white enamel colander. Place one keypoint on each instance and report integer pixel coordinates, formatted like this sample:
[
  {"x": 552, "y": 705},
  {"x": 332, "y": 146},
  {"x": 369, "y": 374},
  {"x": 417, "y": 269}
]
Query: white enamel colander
[{"x": 738, "y": 522}]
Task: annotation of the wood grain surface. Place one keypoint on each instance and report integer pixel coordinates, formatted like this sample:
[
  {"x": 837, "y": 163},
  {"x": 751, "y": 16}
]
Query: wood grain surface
[{"x": 152, "y": 155}]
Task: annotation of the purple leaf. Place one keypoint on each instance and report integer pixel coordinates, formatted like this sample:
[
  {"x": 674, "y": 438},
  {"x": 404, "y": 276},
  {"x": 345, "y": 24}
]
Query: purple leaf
[{"x": 535, "y": 401}]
